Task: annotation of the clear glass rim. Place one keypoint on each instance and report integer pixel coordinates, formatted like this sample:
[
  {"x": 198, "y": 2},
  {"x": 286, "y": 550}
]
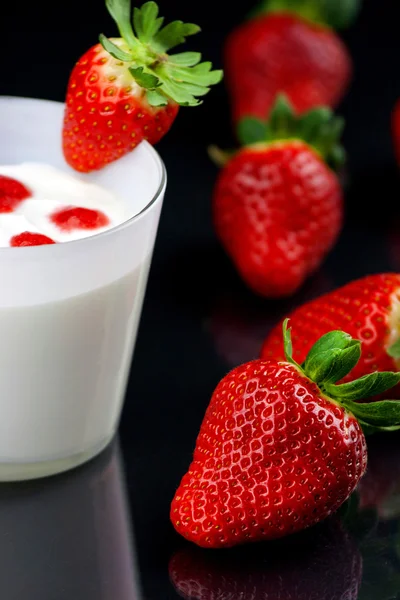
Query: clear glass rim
[{"x": 109, "y": 232}]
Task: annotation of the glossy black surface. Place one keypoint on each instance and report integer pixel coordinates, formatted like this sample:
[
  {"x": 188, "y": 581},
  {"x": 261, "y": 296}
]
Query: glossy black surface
[{"x": 70, "y": 537}]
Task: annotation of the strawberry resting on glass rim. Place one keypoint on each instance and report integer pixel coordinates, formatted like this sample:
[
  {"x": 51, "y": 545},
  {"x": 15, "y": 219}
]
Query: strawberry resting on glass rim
[{"x": 121, "y": 92}]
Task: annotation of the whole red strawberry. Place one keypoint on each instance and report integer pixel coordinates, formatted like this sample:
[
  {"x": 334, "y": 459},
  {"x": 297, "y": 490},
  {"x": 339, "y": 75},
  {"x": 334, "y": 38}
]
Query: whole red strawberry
[
  {"x": 277, "y": 205},
  {"x": 280, "y": 447},
  {"x": 289, "y": 46},
  {"x": 368, "y": 309},
  {"x": 305, "y": 568},
  {"x": 128, "y": 89}
]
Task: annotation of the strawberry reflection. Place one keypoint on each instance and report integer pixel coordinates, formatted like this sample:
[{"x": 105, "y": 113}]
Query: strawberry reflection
[
  {"x": 323, "y": 563},
  {"x": 239, "y": 323},
  {"x": 379, "y": 489}
]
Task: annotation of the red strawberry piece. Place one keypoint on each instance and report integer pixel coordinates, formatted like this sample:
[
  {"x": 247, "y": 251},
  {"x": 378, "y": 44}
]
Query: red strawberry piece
[
  {"x": 289, "y": 47},
  {"x": 76, "y": 217},
  {"x": 367, "y": 309},
  {"x": 12, "y": 193},
  {"x": 280, "y": 447},
  {"x": 303, "y": 569},
  {"x": 128, "y": 89},
  {"x": 29, "y": 238},
  {"x": 277, "y": 204}
]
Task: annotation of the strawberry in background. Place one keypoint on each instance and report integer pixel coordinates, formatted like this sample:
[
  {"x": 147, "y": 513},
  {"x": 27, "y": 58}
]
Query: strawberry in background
[
  {"x": 128, "y": 89},
  {"x": 278, "y": 203},
  {"x": 289, "y": 46},
  {"x": 368, "y": 309}
]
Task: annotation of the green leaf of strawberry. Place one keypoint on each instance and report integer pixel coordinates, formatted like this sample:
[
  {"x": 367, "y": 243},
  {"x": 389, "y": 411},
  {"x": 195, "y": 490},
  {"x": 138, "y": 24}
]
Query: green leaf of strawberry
[
  {"x": 331, "y": 358},
  {"x": 319, "y": 128},
  {"x": 180, "y": 78},
  {"x": 365, "y": 387},
  {"x": 333, "y": 13},
  {"x": 394, "y": 349},
  {"x": 378, "y": 414}
]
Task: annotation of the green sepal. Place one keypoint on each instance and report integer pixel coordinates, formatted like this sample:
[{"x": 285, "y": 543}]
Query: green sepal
[
  {"x": 146, "y": 21},
  {"x": 319, "y": 128},
  {"x": 332, "y": 365},
  {"x": 113, "y": 49},
  {"x": 251, "y": 130},
  {"x": 172, "y": 35},
  {"x": 372, "y": 430},
  {"x": 331, "y": 358},
  {"x": 337, "y": 14},
  {"x": 155, "y": 98},
  {"x": 287, "y": 344},
  {"x": 146, "y": 80},
  {"x": 180, "y": 77},
  {"x": 365, "y": 387},
  {"x": 394, "y": 349},
  {"x": 378, "y": 414},
  {"x": 185, "y": 59}
]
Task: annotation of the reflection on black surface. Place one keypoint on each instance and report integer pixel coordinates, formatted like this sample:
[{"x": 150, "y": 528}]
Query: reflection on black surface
[
  {"x": 377, "y": 521},
  {"x": 238, "y": 324},
  {"x": 322, "y": 564},
  {"x": 68, "y": 537}
]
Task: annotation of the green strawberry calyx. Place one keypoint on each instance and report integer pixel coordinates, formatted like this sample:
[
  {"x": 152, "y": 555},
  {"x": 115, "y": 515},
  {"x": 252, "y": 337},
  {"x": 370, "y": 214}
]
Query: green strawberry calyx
[
  {"x": 319, "y": 128},
  {"x": 331, "y": 358},
  {"x": 337, "y": 14},
  {"x": 143, "y": 46}
]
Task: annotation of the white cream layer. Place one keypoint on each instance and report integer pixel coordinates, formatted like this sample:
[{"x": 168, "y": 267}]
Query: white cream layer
[{"x": 51, "y": 191}]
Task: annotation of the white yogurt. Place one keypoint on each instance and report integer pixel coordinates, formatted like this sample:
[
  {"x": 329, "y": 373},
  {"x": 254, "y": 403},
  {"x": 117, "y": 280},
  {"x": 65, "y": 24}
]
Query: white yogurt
[{"x": 52, "y": 190}]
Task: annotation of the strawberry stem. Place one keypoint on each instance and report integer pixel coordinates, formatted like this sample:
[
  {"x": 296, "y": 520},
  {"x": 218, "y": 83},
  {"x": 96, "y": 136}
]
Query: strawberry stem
[{"x": 144, "y": 46}]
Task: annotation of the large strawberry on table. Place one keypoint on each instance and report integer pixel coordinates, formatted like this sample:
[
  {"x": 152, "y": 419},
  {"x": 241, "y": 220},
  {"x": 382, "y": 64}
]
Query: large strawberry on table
[
  {"x": 128, "y": 89},
  {"x": 281, "y": 445},
  {"x": 289, "y": 46}
]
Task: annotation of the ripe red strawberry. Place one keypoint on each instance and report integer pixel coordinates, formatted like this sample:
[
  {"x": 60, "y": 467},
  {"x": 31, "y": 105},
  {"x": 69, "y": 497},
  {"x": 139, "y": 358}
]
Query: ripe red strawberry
[
  {"x": 368, "y": 309},
  {"x": 280, "y": 447},
  {"x": 396, "y": 130},
  {"x": 128, "y": 89},
  {"x": 325, "y": 558},
  {"x": 277, "y": 204},
  {"x": 289, "y": 47}
]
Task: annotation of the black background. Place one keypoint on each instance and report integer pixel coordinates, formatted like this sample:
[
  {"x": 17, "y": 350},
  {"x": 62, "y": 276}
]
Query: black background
[{"x": 198, "y": 318}]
